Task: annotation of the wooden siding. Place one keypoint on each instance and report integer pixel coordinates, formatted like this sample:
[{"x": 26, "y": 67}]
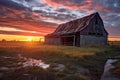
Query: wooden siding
[
  {"x": 95, "y": 27},
  {"x": 92, "y": 40}
]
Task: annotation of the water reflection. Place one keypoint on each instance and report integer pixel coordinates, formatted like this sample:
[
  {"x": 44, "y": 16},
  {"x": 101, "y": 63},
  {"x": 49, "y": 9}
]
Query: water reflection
[{"x": 33, "y": 62}]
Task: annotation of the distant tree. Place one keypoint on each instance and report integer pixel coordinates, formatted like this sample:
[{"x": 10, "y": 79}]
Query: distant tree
[
  {"x": 13, "y": 40},
  {"x": 3, "y": 40}
]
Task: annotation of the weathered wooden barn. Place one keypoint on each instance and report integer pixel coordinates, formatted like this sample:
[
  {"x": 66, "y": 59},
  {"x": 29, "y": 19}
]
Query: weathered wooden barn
[{"x": 88, "y": 30}]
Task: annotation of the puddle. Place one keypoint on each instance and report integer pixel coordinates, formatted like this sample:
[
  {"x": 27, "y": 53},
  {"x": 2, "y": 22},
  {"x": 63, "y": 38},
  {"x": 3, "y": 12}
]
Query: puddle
[
  {"x": 108, "y": 66},
  {"x": 33, "y": 62},
  {"x": 26, "y": 62}
]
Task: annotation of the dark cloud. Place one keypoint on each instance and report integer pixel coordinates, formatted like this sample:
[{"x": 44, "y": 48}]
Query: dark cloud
[
  {"x": 62, "y": 10},
  {"x": 114, "y": 5},
  {"x": 44, "y": 15},
  {"x": 28, "y": 0},
  {"x": 11, "y": 4}
]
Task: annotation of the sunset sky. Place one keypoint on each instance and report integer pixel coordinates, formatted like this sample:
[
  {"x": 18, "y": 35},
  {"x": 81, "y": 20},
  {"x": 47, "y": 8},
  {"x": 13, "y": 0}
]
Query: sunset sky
[{"x": 32, "y": 19}]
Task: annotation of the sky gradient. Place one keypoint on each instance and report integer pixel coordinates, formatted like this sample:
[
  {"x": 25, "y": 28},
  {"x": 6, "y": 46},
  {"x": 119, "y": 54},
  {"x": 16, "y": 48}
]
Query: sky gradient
[{"x": 41, "y": 17}]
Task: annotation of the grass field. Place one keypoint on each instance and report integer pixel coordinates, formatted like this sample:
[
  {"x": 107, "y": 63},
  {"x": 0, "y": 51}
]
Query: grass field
[{"x": 91, "y": 57}]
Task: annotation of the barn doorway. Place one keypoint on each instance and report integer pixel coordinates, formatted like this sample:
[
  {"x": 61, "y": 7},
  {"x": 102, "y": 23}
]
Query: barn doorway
[{"x": 68, "y": 40}]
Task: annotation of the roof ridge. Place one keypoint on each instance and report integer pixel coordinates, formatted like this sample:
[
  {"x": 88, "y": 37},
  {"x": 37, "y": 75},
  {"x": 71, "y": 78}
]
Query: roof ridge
[
  {"x": 77, "y": 24},
  {"x": 90, "y": 19},
  {"x": 81, "y": 17}
]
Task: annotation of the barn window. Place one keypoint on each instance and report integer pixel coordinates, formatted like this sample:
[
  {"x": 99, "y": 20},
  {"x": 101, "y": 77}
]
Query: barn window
[
  {"x": 100, "y": 34},
  {"x": 91, "y": 33}
]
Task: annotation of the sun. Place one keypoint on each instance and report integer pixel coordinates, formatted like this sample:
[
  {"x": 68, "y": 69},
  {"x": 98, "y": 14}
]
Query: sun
[
  {"x": 29, "y": 39},
  {"x": 33, "y": 38}
]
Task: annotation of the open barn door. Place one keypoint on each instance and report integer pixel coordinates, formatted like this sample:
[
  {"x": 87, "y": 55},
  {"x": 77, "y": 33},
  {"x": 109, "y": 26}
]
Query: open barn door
[{"x": 68, "y": 40}]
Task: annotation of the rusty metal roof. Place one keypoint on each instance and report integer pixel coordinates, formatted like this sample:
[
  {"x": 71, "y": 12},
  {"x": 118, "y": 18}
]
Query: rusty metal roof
[{"x": 74, "y": 25}]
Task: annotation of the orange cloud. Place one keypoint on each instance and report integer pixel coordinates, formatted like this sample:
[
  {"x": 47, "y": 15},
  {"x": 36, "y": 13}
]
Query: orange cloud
[
  {"x": 30, "y": 26},
  {"x": 88, "y": 5},
  {"x": 68, "y": 4},
  {"x": 102, "y": 8},
  {"x": 17, "y": 19}
]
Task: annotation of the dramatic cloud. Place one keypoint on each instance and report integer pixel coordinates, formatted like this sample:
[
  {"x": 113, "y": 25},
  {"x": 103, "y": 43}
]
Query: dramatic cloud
[{"x": 41, "y": 17}]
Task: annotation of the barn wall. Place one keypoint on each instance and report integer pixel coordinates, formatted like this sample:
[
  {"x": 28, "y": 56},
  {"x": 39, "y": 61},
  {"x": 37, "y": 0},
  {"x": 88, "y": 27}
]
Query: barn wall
[
  {"x": 77, "y": 39},
  {"x": 53, "y": 41},
  {"x": 92, "y": 40}
]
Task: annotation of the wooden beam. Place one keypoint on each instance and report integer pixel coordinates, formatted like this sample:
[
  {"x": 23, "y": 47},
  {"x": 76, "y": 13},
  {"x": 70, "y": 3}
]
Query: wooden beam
[
  {"x": 68, "y": 36},
  {"x": 74, "y": 41}
]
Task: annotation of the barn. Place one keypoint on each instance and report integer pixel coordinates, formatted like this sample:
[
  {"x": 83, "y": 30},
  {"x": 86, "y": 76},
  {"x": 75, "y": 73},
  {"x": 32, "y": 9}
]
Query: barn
[{"x": 88, "y": 30}]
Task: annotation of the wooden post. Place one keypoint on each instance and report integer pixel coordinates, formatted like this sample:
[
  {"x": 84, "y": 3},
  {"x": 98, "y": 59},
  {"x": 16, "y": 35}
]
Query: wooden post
[
  {"x": 74, "y": 41},
  {"x": 79, "y": 40},
  {"x": 40, "y": 39}
]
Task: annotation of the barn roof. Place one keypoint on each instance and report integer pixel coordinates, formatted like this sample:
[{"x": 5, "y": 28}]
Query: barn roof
[{"x": 74, "y": 25}]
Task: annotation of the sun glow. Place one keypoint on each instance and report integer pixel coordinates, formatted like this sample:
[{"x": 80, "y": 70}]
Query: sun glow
[
  {"x": 30, "y": 39},
  {"x": 114, "y": 38},
  {"x": 21, "y": 38}
]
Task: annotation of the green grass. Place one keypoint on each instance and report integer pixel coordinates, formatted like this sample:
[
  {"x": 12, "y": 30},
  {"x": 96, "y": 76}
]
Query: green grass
[{"x": 90, "y": 57}]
